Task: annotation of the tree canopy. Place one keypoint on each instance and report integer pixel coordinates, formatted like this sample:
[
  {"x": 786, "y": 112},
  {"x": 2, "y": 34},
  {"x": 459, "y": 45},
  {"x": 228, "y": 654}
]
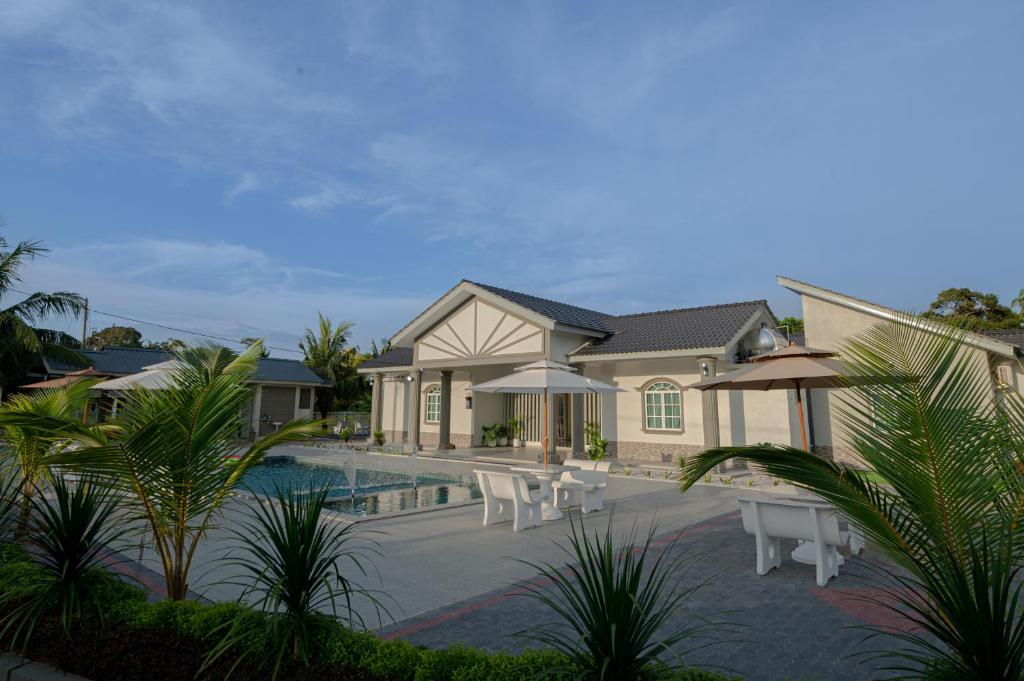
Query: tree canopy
[
  {"x": 115, "y": 337},
  {"x": 973, "y": 308}
]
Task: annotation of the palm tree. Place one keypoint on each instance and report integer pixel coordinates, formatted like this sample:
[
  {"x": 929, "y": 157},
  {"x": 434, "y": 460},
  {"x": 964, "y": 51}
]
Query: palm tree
[
  {"x": 1018, "y": 302},
  {"x": 171, "y": 450},
  {"x": 29, "y": 446},
  {"x": 922, "y": 412},
  {"x": 20, "y": 341},
  {"x": 327, "y": 355}
]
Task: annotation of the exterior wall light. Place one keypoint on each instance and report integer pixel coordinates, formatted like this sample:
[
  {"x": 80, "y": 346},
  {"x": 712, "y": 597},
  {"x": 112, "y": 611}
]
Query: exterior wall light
[{"x": 469, "y": 402}]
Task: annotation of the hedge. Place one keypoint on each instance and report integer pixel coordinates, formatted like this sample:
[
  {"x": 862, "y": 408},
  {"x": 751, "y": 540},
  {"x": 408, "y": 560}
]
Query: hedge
[{"x": 160, "y": 631}]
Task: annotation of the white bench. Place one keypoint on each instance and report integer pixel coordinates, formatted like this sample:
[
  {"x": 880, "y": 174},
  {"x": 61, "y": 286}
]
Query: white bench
[
  {"x": 590, "y": 480},
  {"x": 770, "y": 520},
  {"x": 508, "y": 497},
  {"x": 566, "y": 490}
]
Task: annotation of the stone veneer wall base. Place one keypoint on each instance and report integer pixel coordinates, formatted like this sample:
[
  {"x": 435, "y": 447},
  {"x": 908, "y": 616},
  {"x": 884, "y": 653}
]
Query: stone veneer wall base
[{"x": 661, "y": 452}]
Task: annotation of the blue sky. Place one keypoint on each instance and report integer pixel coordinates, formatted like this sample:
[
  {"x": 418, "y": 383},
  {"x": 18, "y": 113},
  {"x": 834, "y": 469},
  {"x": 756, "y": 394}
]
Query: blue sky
[{"x": 234, "y": 167}]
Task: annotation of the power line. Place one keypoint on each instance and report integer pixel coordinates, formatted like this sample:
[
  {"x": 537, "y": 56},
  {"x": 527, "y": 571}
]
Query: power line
[{"x": 93, "y": 310}]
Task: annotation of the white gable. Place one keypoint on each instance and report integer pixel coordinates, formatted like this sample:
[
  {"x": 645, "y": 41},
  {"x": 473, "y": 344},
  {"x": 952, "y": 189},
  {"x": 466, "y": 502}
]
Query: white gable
[{"x": 479, "y": 329}]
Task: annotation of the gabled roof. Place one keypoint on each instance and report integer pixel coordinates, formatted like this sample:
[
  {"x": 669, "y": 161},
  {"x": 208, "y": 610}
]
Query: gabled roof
[
  {"x": 126, "y": 361},
  {"x": 982, "y": 340},
  {"x": 710, "y": 326},
  {"x": 563, "y": 313}
]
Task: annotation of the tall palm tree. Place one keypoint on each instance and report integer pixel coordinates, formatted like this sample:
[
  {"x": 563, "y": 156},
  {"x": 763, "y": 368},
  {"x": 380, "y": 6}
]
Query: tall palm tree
[
  {"x": 28, "y": 445},
  {"x": 20, "y": 341},
  {"x": 173, "y": 451},
  {"x": 326, "y": 354},
  {"x": 922, "y": 411}
]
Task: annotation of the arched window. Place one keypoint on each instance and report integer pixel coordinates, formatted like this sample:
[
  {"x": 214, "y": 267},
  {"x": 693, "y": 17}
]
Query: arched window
[
  {"x": 663, "y": 408},
  {"x": 433, "y": 407}
]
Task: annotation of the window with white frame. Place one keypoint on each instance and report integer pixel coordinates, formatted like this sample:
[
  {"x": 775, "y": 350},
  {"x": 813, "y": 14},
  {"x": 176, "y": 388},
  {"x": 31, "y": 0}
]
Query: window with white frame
[
  {"x": 663, "y": 407},
  {"x": 433, "y": 413}
]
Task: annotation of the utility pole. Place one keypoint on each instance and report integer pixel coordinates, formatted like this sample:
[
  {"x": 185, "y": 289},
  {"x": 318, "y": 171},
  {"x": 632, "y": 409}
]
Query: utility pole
[{"x": 85, "y": 321}]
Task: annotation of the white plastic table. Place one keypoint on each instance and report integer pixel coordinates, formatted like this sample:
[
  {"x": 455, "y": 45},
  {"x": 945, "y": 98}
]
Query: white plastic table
[{"x": 545, "y": 476}]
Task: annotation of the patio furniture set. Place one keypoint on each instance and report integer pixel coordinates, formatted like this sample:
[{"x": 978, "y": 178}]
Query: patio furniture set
[{"x": 508, "y": 497}]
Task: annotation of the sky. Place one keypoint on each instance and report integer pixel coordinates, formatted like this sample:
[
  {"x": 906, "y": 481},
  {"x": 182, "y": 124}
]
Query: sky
[{"x": 233, "y": 168}]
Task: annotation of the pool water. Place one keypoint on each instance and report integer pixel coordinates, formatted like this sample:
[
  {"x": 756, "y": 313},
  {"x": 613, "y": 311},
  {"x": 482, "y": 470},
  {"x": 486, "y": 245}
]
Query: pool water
[{"x": 377, "y": 490}]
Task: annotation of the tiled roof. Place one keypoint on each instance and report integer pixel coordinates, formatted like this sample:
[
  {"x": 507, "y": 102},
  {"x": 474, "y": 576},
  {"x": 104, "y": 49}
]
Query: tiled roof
[
  {"x": 1014, "y": 337},
  {"x": 114, "y": 361},
  {"x": 396, "y": 357},
  {"x": 125, "y": 361},
  {"x": 571, "y": 315},
  {"x": 711, "y": 326},
  {"x": 274, "y": 370}
]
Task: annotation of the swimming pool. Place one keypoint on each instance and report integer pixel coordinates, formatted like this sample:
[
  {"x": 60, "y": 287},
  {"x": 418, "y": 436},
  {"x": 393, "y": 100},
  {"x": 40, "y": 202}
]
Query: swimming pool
[{"x": 377, "y": 490}]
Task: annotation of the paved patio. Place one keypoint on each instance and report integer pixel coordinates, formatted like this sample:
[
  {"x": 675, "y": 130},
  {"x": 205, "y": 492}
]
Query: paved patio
[
  {"x": 453, "y": 581},
  {"x": 780, "y": 626}
]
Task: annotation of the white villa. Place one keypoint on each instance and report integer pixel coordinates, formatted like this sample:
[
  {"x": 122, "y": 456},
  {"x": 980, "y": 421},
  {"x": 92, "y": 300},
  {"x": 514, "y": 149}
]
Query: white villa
[{"x": 476, "y": 333}]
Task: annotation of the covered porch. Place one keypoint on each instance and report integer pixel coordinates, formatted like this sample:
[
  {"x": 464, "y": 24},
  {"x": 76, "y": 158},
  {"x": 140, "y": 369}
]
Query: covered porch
[{"x": 425, "y": 409}]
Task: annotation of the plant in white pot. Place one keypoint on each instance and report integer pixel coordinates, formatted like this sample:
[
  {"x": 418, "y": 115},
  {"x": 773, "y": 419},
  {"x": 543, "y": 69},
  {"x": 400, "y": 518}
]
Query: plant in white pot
[
  {"x": 515, "y": 431},
  {"x": 501, "y": 433},
  {"x": 490, "y": 436}
]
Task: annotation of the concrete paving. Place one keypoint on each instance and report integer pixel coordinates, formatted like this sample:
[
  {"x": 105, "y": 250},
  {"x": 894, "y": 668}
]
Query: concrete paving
[{"x": 447, "y": 579}]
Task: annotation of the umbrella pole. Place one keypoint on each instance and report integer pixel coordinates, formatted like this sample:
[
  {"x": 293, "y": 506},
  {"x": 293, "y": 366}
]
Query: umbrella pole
[
  {"x": 800, "y": 411},
  {"x": 545, "y": 427}
]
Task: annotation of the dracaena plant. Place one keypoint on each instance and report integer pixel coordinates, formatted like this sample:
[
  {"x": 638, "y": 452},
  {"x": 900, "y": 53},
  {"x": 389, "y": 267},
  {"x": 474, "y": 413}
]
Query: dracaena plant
[
  {"x": 70, "y": 531},
  {"x": 943, "y": 498},
  {"x": 303, "y": 569},
  {"x": 617, "y": 600},
  {"x": 174, "y": 451}
]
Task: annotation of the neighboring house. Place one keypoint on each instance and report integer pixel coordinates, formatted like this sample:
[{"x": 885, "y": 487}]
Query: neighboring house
[
  {"x": 477, "y": 332},
  {"x": 832, "y": 318},
  {"x": 282, "y": 388}
]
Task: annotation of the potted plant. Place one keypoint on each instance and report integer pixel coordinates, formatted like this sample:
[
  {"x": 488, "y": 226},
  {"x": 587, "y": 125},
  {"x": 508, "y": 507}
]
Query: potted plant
[
  {"x": 501, "y": 434},
  {"x": 490, "y": 436},
  {"x": 597, "y": 446},
  {"x": 345, "y": 434},
  {"x": 515, "y": 431},
  {"x": 378, "y": 438}
]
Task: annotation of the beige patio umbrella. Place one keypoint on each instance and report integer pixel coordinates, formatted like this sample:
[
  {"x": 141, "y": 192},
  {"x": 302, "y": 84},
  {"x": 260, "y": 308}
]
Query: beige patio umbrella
[
  {"x": 543, "y": 378},
  {"x": 791, "y": 368}
]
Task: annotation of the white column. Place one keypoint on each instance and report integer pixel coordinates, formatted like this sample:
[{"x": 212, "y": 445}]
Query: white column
[
  {"x": 376, "y": 397},
  {"x": 414, "y": 416},
  {"x": 295, "y": 410},
  {"x": 445, "y": 439},
  {"x": 257, "y": 403}
]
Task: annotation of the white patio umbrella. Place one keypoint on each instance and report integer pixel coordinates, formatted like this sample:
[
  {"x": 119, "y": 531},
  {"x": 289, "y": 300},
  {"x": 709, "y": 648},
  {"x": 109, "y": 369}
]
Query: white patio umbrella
[{"x": 543, "y": 378}]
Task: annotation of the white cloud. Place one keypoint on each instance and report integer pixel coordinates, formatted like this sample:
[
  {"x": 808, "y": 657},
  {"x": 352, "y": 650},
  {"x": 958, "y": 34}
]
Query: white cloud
[
  {"x": 247, "y": 182},
  {"x": 219, "y": 288},
  {"x": 325, "y": 197}
]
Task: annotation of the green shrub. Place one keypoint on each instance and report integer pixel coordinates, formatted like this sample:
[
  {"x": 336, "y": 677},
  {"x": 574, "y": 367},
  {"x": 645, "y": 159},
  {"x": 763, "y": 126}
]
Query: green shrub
[
  {"x": 529, "y": 665},
  {"x": 442, "y": 665},
  {"x": 395, "y": 659},
  {"x": 350, "y": 648}
]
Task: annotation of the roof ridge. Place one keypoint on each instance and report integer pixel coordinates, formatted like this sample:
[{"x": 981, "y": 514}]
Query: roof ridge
[
  {"x": 760, "y": 301},
  {"x": 493, "y": 288}
]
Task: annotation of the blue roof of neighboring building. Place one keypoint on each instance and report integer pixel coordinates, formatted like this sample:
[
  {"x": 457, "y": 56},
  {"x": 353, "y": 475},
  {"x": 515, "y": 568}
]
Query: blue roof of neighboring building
[{"x": 125, "y": 361}]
